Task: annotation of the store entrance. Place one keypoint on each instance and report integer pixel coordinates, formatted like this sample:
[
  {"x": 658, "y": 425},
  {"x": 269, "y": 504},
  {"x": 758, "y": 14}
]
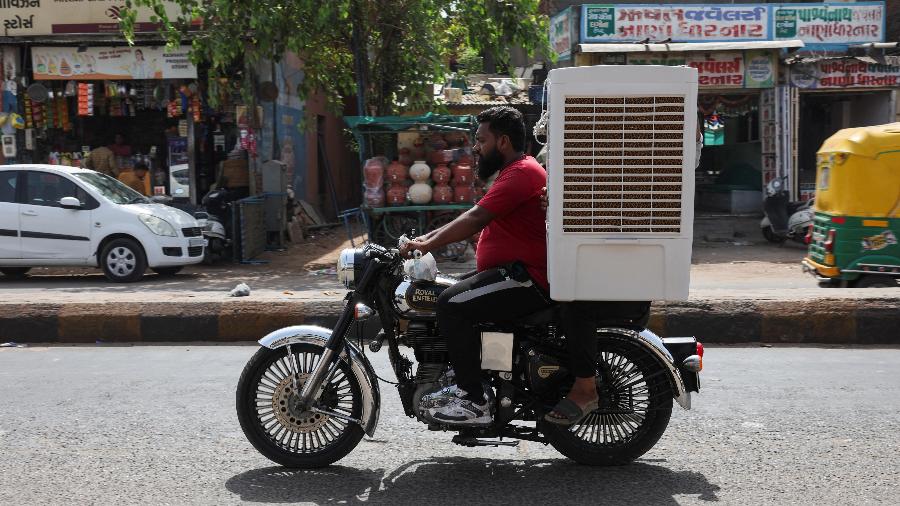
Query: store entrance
[
  {"x": 729, "y": 176},
  {"x": 822, "y": 114}
]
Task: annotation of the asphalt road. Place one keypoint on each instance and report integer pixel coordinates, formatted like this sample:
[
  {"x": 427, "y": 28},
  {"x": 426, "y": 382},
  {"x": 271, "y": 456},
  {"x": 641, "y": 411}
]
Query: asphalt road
[{"x": 156, "y": 425}]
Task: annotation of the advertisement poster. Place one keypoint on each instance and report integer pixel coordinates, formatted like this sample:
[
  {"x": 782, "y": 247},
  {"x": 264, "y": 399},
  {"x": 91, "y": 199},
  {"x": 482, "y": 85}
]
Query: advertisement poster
[
  {"x": 49, "y": 17},
  {"x": 843, "y": 23},
  {"x": 562, "y": 28},
  {"x": 91, "y": 63},
  {"x": 841, "y": 73},
  {"x": 760, "y": 69},
  {"x": 677, "y": 23}
]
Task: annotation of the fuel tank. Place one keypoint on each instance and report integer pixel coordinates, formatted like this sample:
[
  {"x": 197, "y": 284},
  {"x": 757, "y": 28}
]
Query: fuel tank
[{"x": 418, "y": 299}]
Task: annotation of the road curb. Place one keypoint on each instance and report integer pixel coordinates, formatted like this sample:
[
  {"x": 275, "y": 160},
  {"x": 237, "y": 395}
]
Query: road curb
[{"x": 820, "y": 321}]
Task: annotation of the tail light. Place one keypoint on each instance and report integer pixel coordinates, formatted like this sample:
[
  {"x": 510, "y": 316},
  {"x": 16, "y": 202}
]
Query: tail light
[
  {"x": 809, "y": 234},
  {"x": 829, "y": 241},
  {"x": 694, "y": 363}
]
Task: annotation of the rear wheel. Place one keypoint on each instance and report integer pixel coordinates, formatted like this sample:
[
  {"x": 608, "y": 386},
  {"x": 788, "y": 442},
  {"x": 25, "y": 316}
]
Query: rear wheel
[
  {"x": 15, "y": 272},
  {"x": 282, "y": 431},
  {"x": 635, "y": 406},
  {"x": 875, "y": 281},
  {"x": 168, "y": 271}
]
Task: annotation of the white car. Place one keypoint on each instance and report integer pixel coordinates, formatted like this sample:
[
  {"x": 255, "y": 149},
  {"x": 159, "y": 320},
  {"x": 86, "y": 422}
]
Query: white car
[{"x": 63, "y": 216}]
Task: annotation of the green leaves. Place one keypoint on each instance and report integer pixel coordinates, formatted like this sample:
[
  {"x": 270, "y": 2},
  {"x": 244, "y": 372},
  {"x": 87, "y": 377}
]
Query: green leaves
[{"x": 404, "y": 44}]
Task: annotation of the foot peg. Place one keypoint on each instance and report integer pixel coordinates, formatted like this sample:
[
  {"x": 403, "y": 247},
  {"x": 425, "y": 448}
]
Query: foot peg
[{"x": 474, "y": 441}]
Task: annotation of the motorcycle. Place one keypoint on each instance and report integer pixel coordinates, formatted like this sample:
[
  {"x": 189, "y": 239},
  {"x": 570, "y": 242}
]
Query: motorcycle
[
  {"x": 217, "y": 205},
  {"x": 783, "y": 219},
  {"x": 309, "y": 394}
]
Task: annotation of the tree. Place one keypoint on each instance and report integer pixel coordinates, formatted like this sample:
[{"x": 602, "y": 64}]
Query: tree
[{"x": 387, "y": 51}]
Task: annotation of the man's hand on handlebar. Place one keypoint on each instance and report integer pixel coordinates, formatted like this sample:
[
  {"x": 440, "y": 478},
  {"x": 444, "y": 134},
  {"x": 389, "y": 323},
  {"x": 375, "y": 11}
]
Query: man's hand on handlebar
[
  {"x": 407, "y": 250},
  {"x": 544, "y": 201}
]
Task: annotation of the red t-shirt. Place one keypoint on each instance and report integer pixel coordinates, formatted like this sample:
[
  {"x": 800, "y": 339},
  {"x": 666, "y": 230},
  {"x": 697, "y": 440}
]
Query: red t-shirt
[{"x": 517, "y": 231}]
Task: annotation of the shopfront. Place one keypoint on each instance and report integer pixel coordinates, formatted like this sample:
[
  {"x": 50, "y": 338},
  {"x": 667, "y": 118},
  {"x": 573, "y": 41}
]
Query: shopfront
[
  {"x": 74, "y": 93},
  {"x": 775, "y": 81},
  {"x": 838, "y": 93}
]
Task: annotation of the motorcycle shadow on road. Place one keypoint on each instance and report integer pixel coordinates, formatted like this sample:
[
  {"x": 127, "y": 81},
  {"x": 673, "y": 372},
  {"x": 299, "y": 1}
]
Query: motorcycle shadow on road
[{"x": 474, "y": 480}]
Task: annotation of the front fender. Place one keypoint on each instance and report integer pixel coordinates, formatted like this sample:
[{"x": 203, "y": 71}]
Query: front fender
[
  {"x": 654, "y": 345},
  {"x": 359, "y": 364}
]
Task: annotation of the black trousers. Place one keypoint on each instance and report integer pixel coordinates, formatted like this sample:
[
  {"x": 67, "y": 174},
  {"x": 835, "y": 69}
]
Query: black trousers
[
  {"x": 580, "y": 328},
  {"x": 499, "y": 295}
]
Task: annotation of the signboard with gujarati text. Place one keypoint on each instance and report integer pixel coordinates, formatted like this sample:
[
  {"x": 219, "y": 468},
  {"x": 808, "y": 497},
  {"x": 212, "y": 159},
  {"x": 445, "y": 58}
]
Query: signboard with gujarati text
[
  {"x": 836, "y": 23},
  {"x": 562, "y": 28},
  {"x": 57, "y": 17},
  {"x": 725, "y": 69},
  {"x": 815, "y": 24},
  {"x": 842, "y": 73},
  {"x": 678, "y": 23}
]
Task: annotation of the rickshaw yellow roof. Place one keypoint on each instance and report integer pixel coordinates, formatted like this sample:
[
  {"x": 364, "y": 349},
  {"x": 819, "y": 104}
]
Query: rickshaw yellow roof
[{"x": 869, "y": 141}]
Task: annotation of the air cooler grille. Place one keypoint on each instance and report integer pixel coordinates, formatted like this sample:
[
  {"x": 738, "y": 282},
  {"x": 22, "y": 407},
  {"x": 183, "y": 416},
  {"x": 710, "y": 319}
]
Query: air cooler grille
[{"x": 622, "y": 162}]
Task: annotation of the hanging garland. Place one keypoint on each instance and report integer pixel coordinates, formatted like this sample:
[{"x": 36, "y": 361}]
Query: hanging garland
[{"x": 725, "y": 105}]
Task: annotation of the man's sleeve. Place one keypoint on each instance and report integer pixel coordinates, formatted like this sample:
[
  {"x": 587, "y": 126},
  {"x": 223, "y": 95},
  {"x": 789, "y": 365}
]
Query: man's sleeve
[{"x": 507, "y": 193}]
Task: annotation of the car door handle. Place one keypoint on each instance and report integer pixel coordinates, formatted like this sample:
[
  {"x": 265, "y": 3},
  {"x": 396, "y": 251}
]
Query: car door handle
[{"x": 29, "y": 213}]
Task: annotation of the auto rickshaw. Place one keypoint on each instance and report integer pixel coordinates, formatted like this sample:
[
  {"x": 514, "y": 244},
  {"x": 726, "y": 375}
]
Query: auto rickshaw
[{"x": 853, "y": 240}]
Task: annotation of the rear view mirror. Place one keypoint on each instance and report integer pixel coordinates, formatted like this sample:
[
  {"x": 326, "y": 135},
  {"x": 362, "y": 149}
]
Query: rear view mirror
[{"x": 69, "y": 203}]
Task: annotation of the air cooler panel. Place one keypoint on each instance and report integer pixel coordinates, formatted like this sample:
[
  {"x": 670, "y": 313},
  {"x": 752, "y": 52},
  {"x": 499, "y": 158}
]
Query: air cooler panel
[{"x": 621, "y": 179}]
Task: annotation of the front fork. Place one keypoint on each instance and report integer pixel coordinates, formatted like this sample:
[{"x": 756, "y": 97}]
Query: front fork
[{"x": 335, "y": 343}]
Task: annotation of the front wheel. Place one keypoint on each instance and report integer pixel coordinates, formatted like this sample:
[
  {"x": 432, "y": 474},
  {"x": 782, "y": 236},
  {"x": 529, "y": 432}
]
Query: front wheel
[
  {"x": 278, "y": 428},
  {"x": 771, "y": 236},
  {"x": 15, "y": 272},
  {"x": 635, "y": 406},
  {"x": 875, "y": 281},
  {"x": 123, "y": 260}
]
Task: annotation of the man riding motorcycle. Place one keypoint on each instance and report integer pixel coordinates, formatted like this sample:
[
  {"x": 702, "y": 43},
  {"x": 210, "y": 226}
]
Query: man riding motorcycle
[{"x": 511, "y": 259}]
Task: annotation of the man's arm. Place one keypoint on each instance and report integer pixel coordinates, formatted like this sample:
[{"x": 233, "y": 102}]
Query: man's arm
[{"x": 463, "y": 227}]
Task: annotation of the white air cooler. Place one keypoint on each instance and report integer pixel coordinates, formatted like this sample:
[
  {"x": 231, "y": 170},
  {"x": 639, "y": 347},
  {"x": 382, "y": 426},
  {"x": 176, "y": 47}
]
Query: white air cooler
[{"x": 621, "y": 143}]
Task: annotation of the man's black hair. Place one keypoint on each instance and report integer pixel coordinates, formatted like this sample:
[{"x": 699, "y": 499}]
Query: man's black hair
[
  {"x": 503, "y": 120},
  {"x": 141, "y": 166}
]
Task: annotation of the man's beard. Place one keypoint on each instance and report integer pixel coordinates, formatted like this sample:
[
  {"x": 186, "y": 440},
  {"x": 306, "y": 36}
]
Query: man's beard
[{"x": 489, "y": 164}]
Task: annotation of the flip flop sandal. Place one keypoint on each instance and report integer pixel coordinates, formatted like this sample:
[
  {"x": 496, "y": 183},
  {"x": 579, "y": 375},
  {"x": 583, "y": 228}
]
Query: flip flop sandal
[{"x": 571, "y": 412}]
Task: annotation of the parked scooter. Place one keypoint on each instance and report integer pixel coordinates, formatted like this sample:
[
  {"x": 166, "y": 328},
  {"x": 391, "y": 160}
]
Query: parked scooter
[
  {"x": 216, "y": 222},
  {"x": 784, "y": 219}
]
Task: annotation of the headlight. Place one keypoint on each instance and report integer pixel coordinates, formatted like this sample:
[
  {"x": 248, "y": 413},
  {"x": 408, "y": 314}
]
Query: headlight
[
  {"x": 350, "y": 261},
  {"x": 158, "y": 226}
]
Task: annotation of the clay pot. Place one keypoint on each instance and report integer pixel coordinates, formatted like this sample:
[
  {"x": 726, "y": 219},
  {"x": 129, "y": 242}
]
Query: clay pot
[
  {"x": 463, "y": 174},
  {"x": 418, "y": 153},
  {"x": 374, "y": 173},
  {"x": 375, "y": 198},
  {"x": 405, "y": 157},
  {"x": 465, "y": 158},
  {"x": 396, "y": 195},
  {"x": 442, "y": 194},
  {"x": 462, "y": 194},
  {"x": 420, "y": 171},
  {"x": 420, "y": 193},
  {"x": 441, "y": 174},
  {"x": 438, "y": 143},
  {"x": 396, "y": 172}
]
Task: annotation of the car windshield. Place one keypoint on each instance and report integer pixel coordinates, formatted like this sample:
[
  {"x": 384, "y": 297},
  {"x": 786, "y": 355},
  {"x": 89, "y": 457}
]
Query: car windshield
[{"x": 113, "y": 189}]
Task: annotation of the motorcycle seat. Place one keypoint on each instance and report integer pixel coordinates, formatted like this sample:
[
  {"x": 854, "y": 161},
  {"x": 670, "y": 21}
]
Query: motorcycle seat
[{"x": 542, "y": 317}]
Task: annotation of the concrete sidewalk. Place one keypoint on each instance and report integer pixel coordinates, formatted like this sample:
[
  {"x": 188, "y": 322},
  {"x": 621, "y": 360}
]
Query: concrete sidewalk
[{"x": 739, "y": 294}]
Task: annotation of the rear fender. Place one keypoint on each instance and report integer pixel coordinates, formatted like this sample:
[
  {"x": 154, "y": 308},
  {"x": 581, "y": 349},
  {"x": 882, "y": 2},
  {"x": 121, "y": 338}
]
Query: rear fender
[
  {"x": 359, "y": 365},
  {"x": 653, "y": 344}
]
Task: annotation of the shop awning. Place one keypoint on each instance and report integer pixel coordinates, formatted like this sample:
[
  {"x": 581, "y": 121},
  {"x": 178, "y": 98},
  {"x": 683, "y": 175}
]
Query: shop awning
[
  {"x": 678, "y": 47},
  {"x": 392, "y": 124}
]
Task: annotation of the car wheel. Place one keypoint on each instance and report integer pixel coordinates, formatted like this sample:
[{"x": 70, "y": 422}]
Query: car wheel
[
  {"x": 123, "y": 261},
  {"x": 875, "y": 281},
  {"x": 168, "y": 271},
  {"x": 15, "y": 272}
]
